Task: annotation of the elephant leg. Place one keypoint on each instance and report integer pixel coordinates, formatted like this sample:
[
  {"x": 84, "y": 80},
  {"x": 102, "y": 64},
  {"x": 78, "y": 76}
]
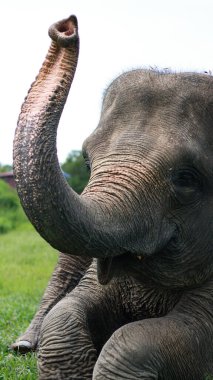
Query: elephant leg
[
  {"x": 168, "y": 348},
  {"x": 75, "y": 330},
  {"x": 65, "y": 277}
]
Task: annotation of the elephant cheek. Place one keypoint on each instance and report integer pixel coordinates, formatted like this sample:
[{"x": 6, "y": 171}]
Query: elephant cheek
[{"x": 66, "y": 350}]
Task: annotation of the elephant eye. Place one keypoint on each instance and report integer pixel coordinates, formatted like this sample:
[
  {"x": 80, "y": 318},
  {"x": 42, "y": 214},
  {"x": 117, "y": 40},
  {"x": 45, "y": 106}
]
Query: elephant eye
[{"x": 187, "y": 183}]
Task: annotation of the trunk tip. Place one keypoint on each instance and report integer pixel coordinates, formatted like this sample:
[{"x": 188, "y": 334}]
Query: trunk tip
[{"x": 64, "y": 32}]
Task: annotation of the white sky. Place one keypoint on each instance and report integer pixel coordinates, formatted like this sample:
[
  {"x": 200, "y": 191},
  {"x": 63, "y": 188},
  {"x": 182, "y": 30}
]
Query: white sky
[{"x": 116, "y": 35}]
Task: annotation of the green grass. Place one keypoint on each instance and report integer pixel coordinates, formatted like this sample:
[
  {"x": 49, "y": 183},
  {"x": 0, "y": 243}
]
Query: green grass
[
  {"x": 26, "y": 263},
  {"x": 11, "y": 212}
]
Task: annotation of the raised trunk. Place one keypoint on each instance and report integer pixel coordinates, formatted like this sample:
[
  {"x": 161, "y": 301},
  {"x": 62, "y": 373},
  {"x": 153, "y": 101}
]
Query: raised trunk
[
  {"x": 56, "y": 211},
  {"x": 39, "y": 181}
]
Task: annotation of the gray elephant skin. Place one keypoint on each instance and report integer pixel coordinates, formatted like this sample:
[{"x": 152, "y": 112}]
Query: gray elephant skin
[{"x": 132, "y": 294}]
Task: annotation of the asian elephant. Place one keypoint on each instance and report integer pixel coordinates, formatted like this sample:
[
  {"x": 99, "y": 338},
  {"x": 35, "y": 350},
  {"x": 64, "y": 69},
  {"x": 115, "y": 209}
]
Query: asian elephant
[{"x": 143, "y": 307}]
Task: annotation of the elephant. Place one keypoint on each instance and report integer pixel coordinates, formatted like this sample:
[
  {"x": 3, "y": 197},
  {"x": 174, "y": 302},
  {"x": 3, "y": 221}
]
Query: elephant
[{"x": 132, "y": 294}]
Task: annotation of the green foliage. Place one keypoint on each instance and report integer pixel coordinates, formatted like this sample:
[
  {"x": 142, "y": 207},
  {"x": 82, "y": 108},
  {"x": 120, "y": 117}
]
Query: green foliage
[
  {"x": 76, "y": 168},
  {"x": 11, "y": 213},
  {"x": 26, "y": 263},
  {"x": 8, "y": 198},
  {"x": 3, "y": 169}
]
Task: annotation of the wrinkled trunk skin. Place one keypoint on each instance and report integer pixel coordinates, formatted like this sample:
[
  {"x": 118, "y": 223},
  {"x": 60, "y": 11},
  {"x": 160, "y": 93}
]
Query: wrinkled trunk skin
[
  {"x": 76, "y": 329},
  {"x": 47, "y": 199},
  {"x": 65, "y": 277},
  {"x": 69, "y": 222}
]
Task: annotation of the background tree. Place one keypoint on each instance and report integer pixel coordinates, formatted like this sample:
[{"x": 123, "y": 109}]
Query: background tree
[
  {"x": 77, "y": 170},
  {"x": 5, "y": 168}
]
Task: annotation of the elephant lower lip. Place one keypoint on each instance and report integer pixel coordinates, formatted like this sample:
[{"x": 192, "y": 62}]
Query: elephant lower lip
[{"x": 104, "y": 266}]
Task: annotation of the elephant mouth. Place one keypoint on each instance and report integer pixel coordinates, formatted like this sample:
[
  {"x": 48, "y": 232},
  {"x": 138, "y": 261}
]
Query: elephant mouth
[{"x": 107, "y": 267}]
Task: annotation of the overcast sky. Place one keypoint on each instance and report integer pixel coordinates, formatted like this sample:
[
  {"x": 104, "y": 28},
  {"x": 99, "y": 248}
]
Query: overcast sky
[{"x": 116, "y": 35}]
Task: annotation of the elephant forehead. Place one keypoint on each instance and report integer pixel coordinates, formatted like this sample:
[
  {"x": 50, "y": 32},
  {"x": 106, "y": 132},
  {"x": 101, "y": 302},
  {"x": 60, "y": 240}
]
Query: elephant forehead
[
  {"x": 148, "y": 90},
  {"x": 154, "y": 110},
  {"x": 157, "y": 80}
]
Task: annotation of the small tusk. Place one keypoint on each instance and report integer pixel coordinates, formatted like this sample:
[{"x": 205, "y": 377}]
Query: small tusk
[{"x": 140, "y": 257}]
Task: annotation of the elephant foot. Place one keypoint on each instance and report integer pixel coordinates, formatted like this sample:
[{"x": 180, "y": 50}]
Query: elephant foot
[
  {"x": 23, "y": 347},
  {"x": 26, "y": 343}
]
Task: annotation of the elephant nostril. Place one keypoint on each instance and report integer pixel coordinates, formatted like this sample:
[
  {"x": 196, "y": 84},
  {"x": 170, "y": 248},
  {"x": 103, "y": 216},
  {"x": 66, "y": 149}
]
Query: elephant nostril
[
  {"x": 64, "y": 32},
  {"x": 67, "y": 29}
]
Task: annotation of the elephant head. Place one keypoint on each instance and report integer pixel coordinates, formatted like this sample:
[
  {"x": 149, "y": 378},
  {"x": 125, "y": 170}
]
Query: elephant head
[{"x": 148, "y": 206}]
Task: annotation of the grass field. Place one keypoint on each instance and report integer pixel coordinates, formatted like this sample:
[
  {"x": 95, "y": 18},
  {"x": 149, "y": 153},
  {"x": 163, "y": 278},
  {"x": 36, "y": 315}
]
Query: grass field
[{"x": 26, "y": 263}]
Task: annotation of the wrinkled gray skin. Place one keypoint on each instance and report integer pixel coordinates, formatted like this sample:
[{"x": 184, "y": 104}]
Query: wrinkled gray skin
[{"x": 143, "y": 308}]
